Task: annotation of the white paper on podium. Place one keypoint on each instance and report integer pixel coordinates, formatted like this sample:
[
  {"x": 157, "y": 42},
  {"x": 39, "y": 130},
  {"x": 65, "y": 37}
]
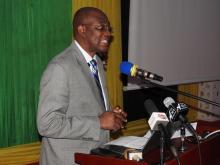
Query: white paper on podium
[
  {"x": 137, "y": 142},
  {"x": 130, "y": 142}
]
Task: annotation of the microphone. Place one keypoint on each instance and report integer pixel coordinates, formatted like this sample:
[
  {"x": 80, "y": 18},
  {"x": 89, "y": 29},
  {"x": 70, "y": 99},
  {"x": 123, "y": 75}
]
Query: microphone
[
  {"x": 175, "y": 110},
  {"x": 133, "y": 70},
  {"x": 156, "y": 118},
  {"x": 158, "y": 121}
]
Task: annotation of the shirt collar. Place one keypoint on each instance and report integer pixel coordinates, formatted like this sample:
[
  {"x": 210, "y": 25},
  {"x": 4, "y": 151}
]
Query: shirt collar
[{"x": 87, "y": 57}]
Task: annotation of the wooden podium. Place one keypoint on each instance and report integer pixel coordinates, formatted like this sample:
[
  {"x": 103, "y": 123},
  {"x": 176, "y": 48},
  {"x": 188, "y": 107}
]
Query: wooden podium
[{"x": 210, "y": 149}]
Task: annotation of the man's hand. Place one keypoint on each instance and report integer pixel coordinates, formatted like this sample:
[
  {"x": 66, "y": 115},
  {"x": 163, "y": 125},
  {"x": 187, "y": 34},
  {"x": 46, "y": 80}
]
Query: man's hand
[
  {"x": 113, "y": 120},
  {"x": 120, "y": 113}
]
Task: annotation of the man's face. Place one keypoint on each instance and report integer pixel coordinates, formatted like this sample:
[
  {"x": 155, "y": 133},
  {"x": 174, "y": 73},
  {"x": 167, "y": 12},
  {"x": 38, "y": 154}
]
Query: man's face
[{"x": 97, "y": 33}]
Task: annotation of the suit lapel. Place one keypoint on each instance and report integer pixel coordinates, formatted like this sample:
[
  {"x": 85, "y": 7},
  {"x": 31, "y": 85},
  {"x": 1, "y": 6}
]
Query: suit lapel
[
  {"x": 88, "y": 76},
  {"x": 102, "y": 78}
]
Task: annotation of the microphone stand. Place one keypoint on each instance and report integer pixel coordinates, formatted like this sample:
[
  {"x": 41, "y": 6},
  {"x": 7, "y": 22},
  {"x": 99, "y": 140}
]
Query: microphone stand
[
  {"x": 182, "y": 93},
  {"x": 183, "y": 146},
  {"x": 165, "y": 141},
  {"x": 161, "y": 148},
  {"x": 162, "y": 142}
]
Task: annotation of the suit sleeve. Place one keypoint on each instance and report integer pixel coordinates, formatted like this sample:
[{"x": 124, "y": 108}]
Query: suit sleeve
[{"x": 53, "y": 105}]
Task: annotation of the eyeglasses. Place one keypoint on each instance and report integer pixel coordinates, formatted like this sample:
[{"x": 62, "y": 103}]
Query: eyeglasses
[{"x": 101, "y": 27}]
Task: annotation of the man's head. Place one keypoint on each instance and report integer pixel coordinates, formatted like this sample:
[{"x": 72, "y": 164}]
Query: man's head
[{"x": 92, "y": 30}]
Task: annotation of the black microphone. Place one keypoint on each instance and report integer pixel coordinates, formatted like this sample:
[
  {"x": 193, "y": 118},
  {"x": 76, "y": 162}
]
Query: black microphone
[
  {"x": 160, "y": 122},
  {"x": 133, "y": 70},
  {"x": 174, "y": 111},
  {"x": 157, "y": 119}
]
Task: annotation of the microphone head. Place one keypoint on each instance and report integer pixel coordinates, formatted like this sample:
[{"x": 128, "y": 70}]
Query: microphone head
[
  {"x": 182, "y": 108},
  {"x": 125, "y": 67},
  {"x": 168, "y": 101},
  {"x": 150, "y": 106},
  {"x": 156, "y": 119}
]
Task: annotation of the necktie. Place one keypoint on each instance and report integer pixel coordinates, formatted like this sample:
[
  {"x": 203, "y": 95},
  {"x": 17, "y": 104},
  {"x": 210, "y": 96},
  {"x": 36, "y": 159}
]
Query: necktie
[{"x": 94, "y": 69}]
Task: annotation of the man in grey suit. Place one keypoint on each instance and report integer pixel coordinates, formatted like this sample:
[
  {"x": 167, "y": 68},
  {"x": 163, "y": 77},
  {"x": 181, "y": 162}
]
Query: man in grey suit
[{"x": 74, "y": 114}]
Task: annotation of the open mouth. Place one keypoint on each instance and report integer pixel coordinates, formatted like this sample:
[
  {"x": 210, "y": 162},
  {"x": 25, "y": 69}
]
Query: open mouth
[{"x": 105, "y": 42}]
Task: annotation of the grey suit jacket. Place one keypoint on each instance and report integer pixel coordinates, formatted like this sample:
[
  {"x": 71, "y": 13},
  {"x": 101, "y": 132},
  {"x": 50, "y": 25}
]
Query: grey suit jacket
[{"x": 69, "y": 107}]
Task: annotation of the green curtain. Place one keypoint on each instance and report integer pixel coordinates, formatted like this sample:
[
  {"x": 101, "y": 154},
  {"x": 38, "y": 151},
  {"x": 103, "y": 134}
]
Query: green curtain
[{"x": 31, "y": 33}]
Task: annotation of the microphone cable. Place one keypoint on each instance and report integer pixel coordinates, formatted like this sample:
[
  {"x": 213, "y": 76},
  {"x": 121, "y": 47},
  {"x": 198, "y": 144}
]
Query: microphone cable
[
  {"x": 191, "y": 129},
  {"x": 216, "y": 132}
]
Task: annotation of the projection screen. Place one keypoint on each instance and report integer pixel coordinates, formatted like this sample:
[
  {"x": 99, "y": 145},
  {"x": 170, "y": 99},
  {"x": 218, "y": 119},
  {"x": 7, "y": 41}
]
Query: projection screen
[{"x": 177, "y": 39}]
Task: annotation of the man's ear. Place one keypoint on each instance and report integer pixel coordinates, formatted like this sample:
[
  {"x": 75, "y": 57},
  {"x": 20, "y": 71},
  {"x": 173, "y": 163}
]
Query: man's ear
[{"x": 81, "y": 30}]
